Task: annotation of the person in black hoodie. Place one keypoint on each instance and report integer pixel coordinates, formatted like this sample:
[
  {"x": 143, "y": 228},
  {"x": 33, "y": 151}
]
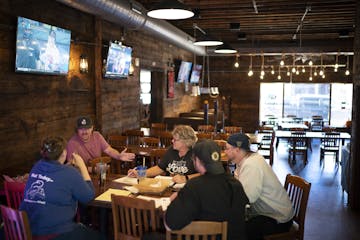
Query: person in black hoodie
[
  {"x": 213, "y": 196},
  {"x": 53, "y": 191}
]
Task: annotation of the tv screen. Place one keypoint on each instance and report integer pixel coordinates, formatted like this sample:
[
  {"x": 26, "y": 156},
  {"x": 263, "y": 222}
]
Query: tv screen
[
  {"x": 118, "y": 61},
  {"x": 184, "y": 71},
  {"x": 196, "y": 73},
  {"x": 41, "y": 48}
]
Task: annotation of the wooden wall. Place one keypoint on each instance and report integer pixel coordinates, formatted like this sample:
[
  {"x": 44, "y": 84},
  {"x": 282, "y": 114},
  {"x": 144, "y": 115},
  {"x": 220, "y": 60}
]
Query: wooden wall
[{"x": 34, "y": 106}]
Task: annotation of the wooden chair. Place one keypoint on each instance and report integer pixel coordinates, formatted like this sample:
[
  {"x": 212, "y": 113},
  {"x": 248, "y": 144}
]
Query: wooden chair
[
  {"x": 157, "y": 127},
  {"x": 268, "y": 151},
  {"x": 221, "y": 144},
  {"x": 204, "y": 135},
  {"x": 222, "y": 136},
  {"x": 297, "y": 145},
  {"x": 206, "y": 128},
  {"x": 232, "y": 129},
  {"x": 200, "y": 230},
  {"x": 330, "y": 145},
  {"x": 156, "y": 155},
  {"x": 92, "y": 163},
  {"x": 134, "y": 136},
  {"x": 132, "y": 217},
  {"x": 117, "y": 141},
  {"x": 14, "y": 192},
  {"x": 150, "y": 142},
  {"x": 298, "y": 190},
  {"x": 16, "y": 224},
  {"x": 165, "y": 138}
]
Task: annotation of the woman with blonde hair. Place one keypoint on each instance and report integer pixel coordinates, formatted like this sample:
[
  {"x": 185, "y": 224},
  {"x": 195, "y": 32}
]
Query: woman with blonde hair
[{"x": 177, "y": 161}]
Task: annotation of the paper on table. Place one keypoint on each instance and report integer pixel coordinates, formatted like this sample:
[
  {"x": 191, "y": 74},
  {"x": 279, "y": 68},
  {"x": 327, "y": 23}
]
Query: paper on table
[
  {"x": 106, "y": 196},
  {"x": 163, "y": 202},
  {"x": 127, "y": 180},
  {"x": 172, "y": 184}
]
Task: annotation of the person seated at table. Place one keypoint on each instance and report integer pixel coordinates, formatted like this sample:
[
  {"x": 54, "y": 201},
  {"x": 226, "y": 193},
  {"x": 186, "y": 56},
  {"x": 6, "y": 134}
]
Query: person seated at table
[
  {"x": 213, "y": 196},
  {"x": 53, "y": 191},
  {"x": 177, "y": 159},
  {"x": 90, "y": 144},
  {"x": 271, "y": 209}
]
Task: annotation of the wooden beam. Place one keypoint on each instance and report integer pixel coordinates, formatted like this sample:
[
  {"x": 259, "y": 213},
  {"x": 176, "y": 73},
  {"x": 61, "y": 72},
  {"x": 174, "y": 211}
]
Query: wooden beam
[{"x": 98, "y": 71}]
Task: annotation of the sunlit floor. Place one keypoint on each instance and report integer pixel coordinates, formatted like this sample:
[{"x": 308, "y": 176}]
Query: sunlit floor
[{"x": 327, "y": 216}]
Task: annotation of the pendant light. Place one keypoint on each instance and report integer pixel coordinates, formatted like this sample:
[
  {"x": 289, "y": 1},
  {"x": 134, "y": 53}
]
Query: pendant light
[{"x": 170, "y": 10}]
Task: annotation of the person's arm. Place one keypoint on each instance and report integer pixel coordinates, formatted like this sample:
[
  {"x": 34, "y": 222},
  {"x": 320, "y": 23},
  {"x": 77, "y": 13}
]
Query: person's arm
[
  {"x": 151, "y": 172},
  {"x": 251, "y": 178},
  {"x": 123, "y": 156},
  {"x": 80, "y": 164},
  {"x": 184, "y": 178}
]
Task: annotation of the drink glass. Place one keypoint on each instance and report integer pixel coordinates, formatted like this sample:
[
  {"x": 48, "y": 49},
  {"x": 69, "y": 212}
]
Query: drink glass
[
  {"x": 101, "y": 171},
  {"x": 141, "y": 172}
]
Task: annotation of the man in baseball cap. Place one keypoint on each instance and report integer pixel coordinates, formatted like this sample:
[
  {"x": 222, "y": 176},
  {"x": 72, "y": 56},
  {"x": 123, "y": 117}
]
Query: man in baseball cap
[
  {"x": 90, "y": 144},
  {"x": 212, "y": 196},
  {"x": 270, "y": 210}
]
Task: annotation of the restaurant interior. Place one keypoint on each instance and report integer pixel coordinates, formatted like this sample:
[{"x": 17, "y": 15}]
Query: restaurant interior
[{"x": 287, "y": 64}]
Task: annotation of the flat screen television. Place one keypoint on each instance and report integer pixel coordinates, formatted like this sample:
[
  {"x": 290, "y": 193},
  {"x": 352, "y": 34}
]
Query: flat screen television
[
  {"x": 41, "y": 48},
  {"x": 118, "y": 61},
  {"x": 184, "y": 71},
  {"x": 196, "y": 73}
]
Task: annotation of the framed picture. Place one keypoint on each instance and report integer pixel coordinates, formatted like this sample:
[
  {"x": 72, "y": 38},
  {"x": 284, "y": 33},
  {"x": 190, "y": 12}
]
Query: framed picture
[{"x": 170, "y": 84}]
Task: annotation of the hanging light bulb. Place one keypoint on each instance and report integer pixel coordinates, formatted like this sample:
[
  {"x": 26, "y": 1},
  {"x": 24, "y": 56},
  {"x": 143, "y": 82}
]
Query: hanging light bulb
[
  {"x": 297, "y": 71},
  {"x": 336, "y": 63},
  {"x": 262, "y": 73},
  {"x": 236, "y": 64},
  {"x": 282, "y": 60},
  {"x": 310, "y": 62},
  {"x": 315, "y": 72},
  {"x": 322, "y": 67},
  {"x": 347, "y": 72},
  {"x": 287, "y": 72},
  {"x": 293, "y": 70},
  {"x": 250, "y": 73},
  {"x": 310, "y": 77},
  {"x": 303, "y": 69},
  {"x": 279, "y": 76},
  {"x": 323, "y": 76},
  {"x": 272, "y": 70}
]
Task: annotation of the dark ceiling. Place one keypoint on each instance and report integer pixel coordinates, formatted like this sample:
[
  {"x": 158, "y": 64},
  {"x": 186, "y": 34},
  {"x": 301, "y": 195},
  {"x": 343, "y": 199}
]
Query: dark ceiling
[{"x": 274, "y": 25}]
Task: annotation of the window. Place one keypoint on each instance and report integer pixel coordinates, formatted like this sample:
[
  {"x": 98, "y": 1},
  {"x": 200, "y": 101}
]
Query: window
[
  {"x": 145, "y": 86},
  {"x": 332, "y": 101}
]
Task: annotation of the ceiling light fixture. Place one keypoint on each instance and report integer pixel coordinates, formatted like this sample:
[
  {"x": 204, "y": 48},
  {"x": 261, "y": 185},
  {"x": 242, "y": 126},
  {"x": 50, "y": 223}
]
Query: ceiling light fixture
[
  {"x": 225, "y": 48},
  {"x": 170, "y": 10},
  {"x": 205, "y": 40}
]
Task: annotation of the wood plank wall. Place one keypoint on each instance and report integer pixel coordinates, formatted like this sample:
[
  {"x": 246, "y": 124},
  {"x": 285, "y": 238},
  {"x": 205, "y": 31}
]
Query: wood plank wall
[{"x": 34, "y": 106}]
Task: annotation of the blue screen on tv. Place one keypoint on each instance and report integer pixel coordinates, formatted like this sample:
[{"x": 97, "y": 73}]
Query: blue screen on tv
[
  {"x": 41, "y": 48},
  {"x": 118, "y": 61},
  {"x": 184, "y": 71}
]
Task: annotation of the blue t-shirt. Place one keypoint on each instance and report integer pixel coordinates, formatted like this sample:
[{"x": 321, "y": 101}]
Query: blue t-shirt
[{"x": 51, "y": 196}]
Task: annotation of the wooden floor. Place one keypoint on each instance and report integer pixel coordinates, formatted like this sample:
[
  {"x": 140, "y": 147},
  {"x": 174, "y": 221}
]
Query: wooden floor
[{"x": 328, "y": 216}]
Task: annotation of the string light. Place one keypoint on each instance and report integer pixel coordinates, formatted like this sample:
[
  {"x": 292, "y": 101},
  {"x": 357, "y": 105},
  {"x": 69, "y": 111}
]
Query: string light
[
  {"x": 272, "y": 70},
  {"x": 336, "y": 63},
  {"x": 310, "y": 77},
  {"x": 287, "y": 72},
  {"x": 279, "y": 76},
  {"x": 347, "y": 72},
  {"x": 262, "y": 73},
  {"x": 250, "y": 73},
  {"x": 303, "y": 69},
  {"x": 236, "y": 64}
]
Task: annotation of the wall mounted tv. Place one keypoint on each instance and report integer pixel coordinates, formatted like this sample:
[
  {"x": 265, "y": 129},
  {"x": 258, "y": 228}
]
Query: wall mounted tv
[
  {"x": 118, "y": 61},
  {"x": 196, "y": 73},
  {"x": 184, "y": 71},
  {"x": 41, "y": 48}
]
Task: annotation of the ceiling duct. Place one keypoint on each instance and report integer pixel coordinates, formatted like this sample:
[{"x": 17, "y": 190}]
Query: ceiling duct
[{"x": 121, "y": 12}]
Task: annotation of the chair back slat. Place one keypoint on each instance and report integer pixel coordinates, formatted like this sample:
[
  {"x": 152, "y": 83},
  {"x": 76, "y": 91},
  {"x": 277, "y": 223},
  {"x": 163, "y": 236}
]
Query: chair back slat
[
  {"x": 16, "y": 224},
  {"x": 132, "y": 217},
  {"x": 134, "y": 136},
  {"x": 200, "y": 230},
  {"x": 14, "y": 192}
]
